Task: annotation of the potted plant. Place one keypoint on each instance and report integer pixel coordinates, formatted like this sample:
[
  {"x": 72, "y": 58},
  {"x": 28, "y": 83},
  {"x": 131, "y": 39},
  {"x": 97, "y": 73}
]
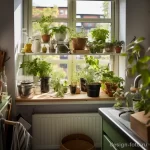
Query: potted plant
[
  {"x": 31, "y": 68},
  {"x": 109, "y": 47},
  {"x": 118, "y": 46},
  {"x": 79, "y": 39},
  {"x": 44, "y": 70},
  {"x": 60, "y": 32},
  {"x": 56, "y": 83},
  {"x": 99, "y": 34},
  {"x": 111, "y": 82},
  {"x": 45, "y": 22},
  {"x": 99, "y": 37},
  {"x": 95, "y": 46},
  {"x": 92, "y": 83}
]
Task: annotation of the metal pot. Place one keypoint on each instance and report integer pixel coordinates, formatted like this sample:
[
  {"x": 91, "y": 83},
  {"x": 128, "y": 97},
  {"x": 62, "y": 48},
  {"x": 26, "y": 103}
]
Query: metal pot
[{"x": 25, "y": 89}]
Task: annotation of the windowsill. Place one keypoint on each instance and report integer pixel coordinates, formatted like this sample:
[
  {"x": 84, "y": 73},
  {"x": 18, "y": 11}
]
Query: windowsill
[{"x": 68, "y": 98}]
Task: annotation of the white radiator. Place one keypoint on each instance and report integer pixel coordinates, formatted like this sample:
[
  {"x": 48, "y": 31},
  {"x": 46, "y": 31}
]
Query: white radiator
[{"x": 49, "y": 129}]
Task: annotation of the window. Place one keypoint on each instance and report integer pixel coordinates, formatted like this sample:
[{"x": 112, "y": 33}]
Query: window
[{"x": 75, "y": 14}]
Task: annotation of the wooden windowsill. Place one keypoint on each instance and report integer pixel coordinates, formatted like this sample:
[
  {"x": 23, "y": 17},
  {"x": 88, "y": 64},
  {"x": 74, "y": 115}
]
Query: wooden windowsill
[{"x": 46, "y": 97}]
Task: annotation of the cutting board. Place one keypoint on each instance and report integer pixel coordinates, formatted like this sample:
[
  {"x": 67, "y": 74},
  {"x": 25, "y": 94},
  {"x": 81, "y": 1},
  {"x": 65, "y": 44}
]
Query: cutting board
[{"x": 2, "y": 59}]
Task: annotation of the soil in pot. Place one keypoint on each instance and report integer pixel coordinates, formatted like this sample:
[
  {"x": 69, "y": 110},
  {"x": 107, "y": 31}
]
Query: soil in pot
[
  {"x": 45, "y": 38},
  {"x": 79, "y": 43},
  {"x": 118, "y": 49},
  {"x": 93, "y": 89},
  {"x": 45, "y": 84},
  {"x": 83, "y": 85}
]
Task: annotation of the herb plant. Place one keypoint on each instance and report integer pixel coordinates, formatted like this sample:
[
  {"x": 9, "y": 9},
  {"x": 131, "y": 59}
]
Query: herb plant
[
  {"x": 60, "y": 29},
  {"x": 45, "y": 22},
  {"x": 99, "y": 34}
]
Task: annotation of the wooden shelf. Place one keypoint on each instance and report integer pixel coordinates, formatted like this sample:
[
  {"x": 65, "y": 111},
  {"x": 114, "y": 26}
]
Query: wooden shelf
[
  {"x": 40, "y": 53},
  {"x": 46, "y": 97}
]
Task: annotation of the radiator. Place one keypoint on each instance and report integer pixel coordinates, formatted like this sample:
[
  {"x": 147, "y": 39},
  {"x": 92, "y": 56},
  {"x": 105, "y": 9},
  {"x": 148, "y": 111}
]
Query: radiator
[{"x": 49, "y": 129}]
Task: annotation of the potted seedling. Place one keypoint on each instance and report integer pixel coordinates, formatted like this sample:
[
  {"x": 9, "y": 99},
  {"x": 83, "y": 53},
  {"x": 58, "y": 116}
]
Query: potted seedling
[
  {"x": 79, "y": 39},
  {"x": 44, "y": 71},
  {"x": 99, "y": 37},
  {"x": 56, "y": 83},
  {"x": 111, "y": 82},
  {"x": 60, "y": 32},
  {"x": 118, "y": 46},
  {"x": 45, "y": 22}
]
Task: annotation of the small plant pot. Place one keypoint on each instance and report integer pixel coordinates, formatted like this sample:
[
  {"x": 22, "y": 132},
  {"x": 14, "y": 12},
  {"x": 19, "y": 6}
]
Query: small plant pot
[
  {"x": 45, "y": 84},
  {"x": 109, "y": 49},
  {"x": 110, "y": 89},
  {"x": 45, "y": 38},
  {"x": 79, "y": 43},
  {"x": 93, "y": 89},
  {"x": 72, "y": 89},
  {"x": 118, "y": 49},
  {"x": 83, "y": 85},
  {"x": 60, "y": 36}
]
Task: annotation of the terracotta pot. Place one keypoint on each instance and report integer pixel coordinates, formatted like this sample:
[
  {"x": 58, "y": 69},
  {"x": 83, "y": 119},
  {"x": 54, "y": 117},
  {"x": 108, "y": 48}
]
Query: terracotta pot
[
  {"x": 79, "y": 43},
  {"x": 110, "y": 88},
  {"x": 118, "y": 49},
  {"x": 45, "y": 38}
]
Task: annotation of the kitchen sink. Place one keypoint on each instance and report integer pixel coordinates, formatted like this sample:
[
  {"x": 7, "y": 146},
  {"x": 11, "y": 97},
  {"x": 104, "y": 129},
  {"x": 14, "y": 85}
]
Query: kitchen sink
[{"x": 122, "y": 115}]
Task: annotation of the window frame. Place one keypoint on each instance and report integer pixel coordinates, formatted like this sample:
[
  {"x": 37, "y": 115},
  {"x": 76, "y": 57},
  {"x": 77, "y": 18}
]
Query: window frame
[{"x": 71, "y": 20}]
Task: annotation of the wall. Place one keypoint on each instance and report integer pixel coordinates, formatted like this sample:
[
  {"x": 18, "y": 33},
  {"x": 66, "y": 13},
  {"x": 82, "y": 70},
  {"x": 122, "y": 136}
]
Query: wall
[
  {"x": 137, "y": 24},
  {"x": 7, "y": 40}
]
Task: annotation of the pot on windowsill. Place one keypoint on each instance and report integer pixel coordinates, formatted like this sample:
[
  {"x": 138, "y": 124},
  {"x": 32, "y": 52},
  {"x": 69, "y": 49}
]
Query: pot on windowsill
[
  {"x": 45, "y": 84},
  {"x": 79, "y": 43},
  {"x": 72, "y": 89},
  {"x": 83, "y": 85},
  {"x": 45, "y": 38},
  {"x": 110, "y": 88},
  {"x": 118, "y": 49},
  {"x": 93, "y": 89}
]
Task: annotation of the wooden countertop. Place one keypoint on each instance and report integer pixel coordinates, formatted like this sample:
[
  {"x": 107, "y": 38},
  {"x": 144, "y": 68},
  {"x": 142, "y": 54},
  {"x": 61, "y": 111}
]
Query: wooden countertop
[{"x": 46, "y": 97}]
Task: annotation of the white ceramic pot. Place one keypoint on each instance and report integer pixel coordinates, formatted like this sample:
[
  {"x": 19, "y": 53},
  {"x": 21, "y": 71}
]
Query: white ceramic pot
[
  {"x": 36, "y": 46},
  {"x": 60, "y": 36}
]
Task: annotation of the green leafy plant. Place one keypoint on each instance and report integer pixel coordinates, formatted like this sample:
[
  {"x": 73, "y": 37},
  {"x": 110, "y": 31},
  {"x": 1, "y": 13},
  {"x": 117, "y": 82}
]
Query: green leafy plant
[
  {"x": 45, "y": 22},
  {"x": 141, "y": 67},
  {"x": 99, "y": 34},
  {"x": 60, "y": 29},
  {"x": 44, "y": 68},
  {"x": 30, "y": 67},
  {"x": 59, "y": 87},
  {"x": 108, "y": 44},
  {"x": 37, "y": 67},
  {"x": 81, "y": 34},
  {"x": 96, "y": 46}
]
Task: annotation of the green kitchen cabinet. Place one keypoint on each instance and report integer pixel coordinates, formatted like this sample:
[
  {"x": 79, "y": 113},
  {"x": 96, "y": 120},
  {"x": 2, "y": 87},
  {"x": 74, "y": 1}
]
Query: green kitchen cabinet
[{"x": 115, "y": 139}]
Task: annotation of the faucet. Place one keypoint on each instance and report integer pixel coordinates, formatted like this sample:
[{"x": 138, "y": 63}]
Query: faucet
[{"x": 136, "y": 81}]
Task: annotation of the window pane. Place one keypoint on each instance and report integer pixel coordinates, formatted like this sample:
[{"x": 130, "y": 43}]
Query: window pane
[
  {"x": 88, "y": 26},
  {"x": 57, "y": 8},
  {"x": 93, "y": 9}
]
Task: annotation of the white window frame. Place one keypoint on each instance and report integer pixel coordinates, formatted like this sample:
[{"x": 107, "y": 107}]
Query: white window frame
[{"x": 71, "y": 20}]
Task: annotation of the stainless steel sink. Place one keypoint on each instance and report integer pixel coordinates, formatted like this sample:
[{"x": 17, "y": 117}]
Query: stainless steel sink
[{"x": 124, "y": 118}]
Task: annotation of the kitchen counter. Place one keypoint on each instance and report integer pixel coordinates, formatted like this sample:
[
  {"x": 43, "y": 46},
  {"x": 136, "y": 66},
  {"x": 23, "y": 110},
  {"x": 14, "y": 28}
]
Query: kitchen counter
[{"x": 111, "y": 116}]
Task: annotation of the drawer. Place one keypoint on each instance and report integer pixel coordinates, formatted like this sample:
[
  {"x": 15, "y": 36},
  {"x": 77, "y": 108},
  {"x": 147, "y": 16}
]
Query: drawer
[
  {"x": 107, "y": 144},
  {"x": 120, "y": 140}
]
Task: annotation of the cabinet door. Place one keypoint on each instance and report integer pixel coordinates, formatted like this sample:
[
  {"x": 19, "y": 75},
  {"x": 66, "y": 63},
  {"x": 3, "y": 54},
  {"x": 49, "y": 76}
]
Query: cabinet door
[{"x": 107, "y": 144}]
